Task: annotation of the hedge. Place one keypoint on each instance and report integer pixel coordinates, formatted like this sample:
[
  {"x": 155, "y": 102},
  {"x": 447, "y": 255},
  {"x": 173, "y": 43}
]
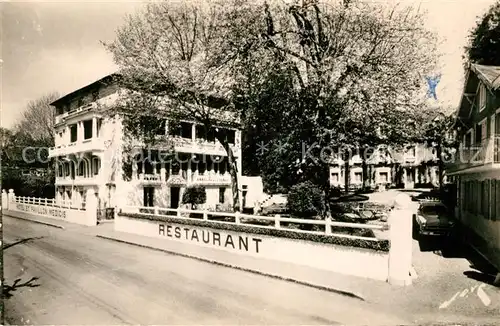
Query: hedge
[{"x": 380, "y": 245}]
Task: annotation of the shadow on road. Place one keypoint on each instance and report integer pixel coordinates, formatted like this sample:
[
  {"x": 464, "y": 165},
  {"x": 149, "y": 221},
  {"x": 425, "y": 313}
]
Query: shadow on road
[
  {"x": 452, "y": 247},
  {"x": 6, "y": 246},
  {"x": 9, "y": 289}
]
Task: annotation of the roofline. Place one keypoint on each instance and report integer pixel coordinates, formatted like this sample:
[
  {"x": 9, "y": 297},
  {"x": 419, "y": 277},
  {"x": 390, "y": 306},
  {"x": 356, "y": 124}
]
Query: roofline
[
  {"x": 88, "y": 86},
  {"x": 463, "y": 90}
]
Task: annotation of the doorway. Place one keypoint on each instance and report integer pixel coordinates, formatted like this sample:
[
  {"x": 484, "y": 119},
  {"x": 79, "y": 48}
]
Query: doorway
[
  {"x": 174, "y": 197},
  {"x": 149, "y": 194}
]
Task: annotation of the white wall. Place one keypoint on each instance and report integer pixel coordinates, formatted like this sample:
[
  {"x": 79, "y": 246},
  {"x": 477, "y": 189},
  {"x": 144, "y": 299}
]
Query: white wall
[{"x": 339, "y": 259}]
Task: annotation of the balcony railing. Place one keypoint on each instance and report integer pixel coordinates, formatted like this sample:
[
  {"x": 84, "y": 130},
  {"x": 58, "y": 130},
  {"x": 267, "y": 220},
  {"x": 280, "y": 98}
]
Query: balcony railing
[
  {"x": 83, "y": 108},
  {"x": 149, "y": 178},
  {"x": 215, "y": 178},
  {"x": 486, "y": 152},
  {"x": 87, "y": 145}
]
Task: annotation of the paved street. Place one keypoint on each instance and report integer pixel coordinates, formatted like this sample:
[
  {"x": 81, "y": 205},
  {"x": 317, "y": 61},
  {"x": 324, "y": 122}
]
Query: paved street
[{"x": 86, "y": 280}]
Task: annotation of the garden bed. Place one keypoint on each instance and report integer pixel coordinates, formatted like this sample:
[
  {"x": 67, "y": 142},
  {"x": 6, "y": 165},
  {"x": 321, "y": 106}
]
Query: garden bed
[{"x": 377, "y": 245}]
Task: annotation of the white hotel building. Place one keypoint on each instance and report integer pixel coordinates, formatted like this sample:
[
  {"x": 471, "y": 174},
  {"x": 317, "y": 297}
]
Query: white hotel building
[{"x": 89, "y": 148}]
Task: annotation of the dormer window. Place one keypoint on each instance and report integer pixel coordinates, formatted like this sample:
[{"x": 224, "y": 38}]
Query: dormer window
[{"x": 482, "y": 97}]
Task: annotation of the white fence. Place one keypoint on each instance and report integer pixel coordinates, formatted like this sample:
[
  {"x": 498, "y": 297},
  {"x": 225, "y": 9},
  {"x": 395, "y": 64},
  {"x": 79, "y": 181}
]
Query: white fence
[
  {"x": 49, "y": 202},
  {"x": 327, "y": 226},
  {"x": 26, "y": 207}
]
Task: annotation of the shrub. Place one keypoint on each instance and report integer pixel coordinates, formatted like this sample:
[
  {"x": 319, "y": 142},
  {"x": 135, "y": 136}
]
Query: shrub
[
  {"x": 194, "y": 196},
  {"x": 306, "y": 200}
]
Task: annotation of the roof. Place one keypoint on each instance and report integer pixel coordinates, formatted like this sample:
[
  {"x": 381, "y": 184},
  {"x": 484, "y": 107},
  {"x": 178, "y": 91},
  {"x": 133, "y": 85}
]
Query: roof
[
  {"x": 490, "y": 75},
  {"x": 84, "y": 89}
]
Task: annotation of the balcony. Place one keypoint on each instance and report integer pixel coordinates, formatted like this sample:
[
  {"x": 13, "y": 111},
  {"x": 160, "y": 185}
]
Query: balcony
[
  {"x": 61, "y": 118},
  {"x": 187, "y": 145},
  {"x": 150, "y": 179},
  {"x": 211, "y": 179},
  {"x": 78, "y": 181},
  {"x": 479, "y": 156},
  {"x": 87, "y": 145}
]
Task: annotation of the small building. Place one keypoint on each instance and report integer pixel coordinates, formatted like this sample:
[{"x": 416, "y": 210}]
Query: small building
[{"x": 413, "y": 166}]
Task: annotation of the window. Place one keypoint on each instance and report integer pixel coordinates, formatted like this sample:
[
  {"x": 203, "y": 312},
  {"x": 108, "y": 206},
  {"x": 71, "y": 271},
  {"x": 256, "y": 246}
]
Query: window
[
  {"x": 411, "y": 151},
  {"x": 468, "y": 139},
  {"x": 87, "y": 129},
  {"x": 80, "y": 169},
  {"x": 478, "y": 137},
  {"x": 222, "y": 192},
  {"x": 383, "y": 177},
  {"x": 96, "y": 165},
  {"x": 358, "y": 177},
  {"x": 482, "y": 96},
  {"x": 335, "y": 177},
  {"x": 74, "y": 133},
  {"x": 149, "y": 194},
  {"x": 161, "y": 127}
]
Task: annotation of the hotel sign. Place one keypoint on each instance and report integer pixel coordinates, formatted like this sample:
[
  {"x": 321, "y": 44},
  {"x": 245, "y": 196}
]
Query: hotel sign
[
  {"x": 210, "y": 237},
  {"x": 41, "y": 210}
]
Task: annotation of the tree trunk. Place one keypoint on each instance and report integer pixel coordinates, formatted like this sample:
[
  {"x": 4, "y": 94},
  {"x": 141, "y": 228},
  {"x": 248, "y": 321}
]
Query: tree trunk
[
  {"x": 233, "y": 171},
  {"x": 366, "y": 175},
  {"x": 440, "y": 166},
  {"x": 347, "y": 172}
]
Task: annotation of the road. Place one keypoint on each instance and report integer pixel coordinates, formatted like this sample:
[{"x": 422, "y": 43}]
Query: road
[{"x": 81, "y": 279}]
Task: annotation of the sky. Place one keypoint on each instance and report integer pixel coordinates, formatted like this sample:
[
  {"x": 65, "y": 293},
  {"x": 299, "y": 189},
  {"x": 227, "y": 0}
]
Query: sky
[{"x": 56, "y": 46}]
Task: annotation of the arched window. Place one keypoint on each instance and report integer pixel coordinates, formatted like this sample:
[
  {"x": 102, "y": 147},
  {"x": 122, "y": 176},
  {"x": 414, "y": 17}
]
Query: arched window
[{"x": 81, "y": 171}]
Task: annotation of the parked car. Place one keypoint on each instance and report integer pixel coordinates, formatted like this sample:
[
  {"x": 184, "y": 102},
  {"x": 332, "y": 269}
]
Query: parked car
[{"x": 433, "y": 219}]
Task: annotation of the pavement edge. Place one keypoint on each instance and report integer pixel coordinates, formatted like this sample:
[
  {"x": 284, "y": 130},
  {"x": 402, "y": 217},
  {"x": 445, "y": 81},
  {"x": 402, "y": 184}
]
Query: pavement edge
[{"x": 287, "y": 279}]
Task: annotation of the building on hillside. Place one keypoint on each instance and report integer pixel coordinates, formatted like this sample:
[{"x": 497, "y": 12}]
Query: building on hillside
[
  {"x": 476, "y": 165},
  {"x": 89, "y": 148},
  {"x": 414, "y": 167}
]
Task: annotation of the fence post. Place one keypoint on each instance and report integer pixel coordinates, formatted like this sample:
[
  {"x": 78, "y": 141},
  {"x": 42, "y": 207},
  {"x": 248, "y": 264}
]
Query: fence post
[
  {"x": 11, "y": 198},
  {"x": 178, "y": 212},
  {"x": 328, "y": 225},
  {"x": 205, "y": 215},
  {"x": 155, "y": 210},
  {"x": 237, "y": 218},
  {"x": 277, "y": 221},
  {"x": 401, "y": 241},
  {"x": 5, "y": 199}
]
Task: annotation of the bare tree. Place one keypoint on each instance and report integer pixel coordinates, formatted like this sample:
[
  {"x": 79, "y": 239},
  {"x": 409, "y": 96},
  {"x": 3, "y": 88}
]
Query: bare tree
[
  {"x": 37, "y": 120},
  {"x": 175, "y": 63}
]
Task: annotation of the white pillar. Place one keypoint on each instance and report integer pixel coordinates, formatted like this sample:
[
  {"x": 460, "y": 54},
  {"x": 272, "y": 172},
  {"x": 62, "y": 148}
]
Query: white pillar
[
  {"x": 163, "y": 172},
  {"x": 79, "y": 136},
  {"x": 94, "y": 127},
  {"x": 401, "y": 241},
  {"x": 91, "y": 208},
  {"x": 193, "y": 132},
  {"x": 11, "y": 199},
  {"x": 5, "y": 200}
]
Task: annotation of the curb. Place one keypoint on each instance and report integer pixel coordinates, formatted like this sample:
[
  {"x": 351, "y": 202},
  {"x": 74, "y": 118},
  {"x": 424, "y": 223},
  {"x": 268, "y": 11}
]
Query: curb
[
  {"x": 35, "y": 221},
  {"x": 311, "y": 285}
]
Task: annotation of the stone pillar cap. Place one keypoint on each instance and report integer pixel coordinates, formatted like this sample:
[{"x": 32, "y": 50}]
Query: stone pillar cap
[{"x": 402, "y": 201}]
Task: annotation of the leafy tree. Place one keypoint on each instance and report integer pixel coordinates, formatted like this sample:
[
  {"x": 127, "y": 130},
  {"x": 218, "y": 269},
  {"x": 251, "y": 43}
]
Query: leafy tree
[
  {"x": 436, "y": 134},
  {"x": 484, "y": 39},
  {"x": 352, "y": 78},
  {"x": 194, "y": 195},
  {"x": 306, "y": 200}
]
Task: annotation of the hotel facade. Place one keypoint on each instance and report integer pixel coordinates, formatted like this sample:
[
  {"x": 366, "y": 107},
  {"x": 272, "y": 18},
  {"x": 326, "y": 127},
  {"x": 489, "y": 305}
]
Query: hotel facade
[{"x": 95, "y": 157}]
